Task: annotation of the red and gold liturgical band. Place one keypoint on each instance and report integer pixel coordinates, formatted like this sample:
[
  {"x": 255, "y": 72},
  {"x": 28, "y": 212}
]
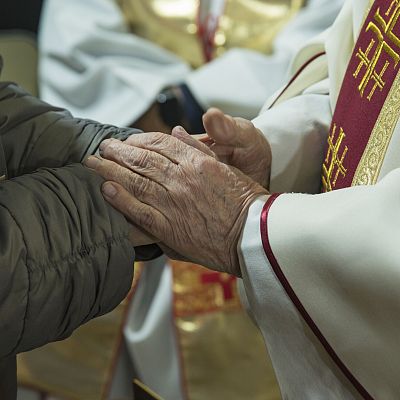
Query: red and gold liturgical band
[{"x": 369, "y": 77}]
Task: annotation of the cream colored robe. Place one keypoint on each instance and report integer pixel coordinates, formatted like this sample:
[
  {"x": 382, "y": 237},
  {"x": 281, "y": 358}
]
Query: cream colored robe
[{"x": 338, "y": 251}]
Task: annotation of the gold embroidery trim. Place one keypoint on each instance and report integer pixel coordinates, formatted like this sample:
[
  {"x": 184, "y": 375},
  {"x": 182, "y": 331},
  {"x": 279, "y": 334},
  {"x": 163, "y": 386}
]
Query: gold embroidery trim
[
  {"x": 334, "y": 162},
  {"x": 369, "y": 167},
  {"x": 386, "y": 41}
]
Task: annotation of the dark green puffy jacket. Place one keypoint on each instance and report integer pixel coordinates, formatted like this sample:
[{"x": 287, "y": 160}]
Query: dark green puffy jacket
[{"x": 65, "y": 256}]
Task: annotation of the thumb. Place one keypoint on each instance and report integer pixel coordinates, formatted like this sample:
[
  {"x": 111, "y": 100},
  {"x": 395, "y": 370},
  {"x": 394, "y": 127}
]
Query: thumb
[{"x": 226, "y": 130}]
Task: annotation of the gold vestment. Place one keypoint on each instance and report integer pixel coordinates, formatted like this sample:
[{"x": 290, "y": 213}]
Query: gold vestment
[{"x": 174, "y": 24}]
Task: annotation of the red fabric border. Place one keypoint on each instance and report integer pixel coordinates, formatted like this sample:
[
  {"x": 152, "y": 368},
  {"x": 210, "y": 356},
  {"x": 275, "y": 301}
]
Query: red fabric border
[{"x": 296, "y": 301}]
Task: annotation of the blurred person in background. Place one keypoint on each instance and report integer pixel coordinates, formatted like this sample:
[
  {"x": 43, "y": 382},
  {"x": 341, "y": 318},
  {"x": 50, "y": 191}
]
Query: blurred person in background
[{"x": 154, "y": 65}]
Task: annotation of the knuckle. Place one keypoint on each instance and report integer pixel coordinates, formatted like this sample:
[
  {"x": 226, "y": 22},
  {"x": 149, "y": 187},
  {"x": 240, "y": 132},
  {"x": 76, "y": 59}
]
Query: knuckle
[
  {"x": 118, "y": 176},
  {"x": 137, "y": 184},
  {"x": 146, "y": 217},
  {"x": 132, "y": 210},
  {"x": 128, "y": 156},
  {"x": 205, "y": 164},
  {"x": 154, "y": 138},
  {"x": 111, "y": 147},
  {"x": 142, "y": 158},
  {"x": 105, "y": 169},
  {"x": 133, "y": 139},
  {"x": 136, "y": 139}
]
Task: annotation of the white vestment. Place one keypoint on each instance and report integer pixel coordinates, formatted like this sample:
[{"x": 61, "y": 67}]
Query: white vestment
[
  {"x": 92, "y": 65},
  {"x": 337, "y": 252}
]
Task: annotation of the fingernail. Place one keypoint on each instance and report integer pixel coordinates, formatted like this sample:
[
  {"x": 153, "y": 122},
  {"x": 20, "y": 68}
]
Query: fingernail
[
  {"x": 109, "y": 190},
  {"x": 104, "y": 144},
  {"x": 220, "y": 124},
  {"x": 92, "y": 162},
  {"x": 178, "y": 130}
]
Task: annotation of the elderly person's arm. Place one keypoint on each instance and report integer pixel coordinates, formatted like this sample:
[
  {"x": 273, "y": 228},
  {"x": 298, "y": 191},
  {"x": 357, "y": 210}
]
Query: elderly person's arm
[
  {"x": 65, "y": 255},
  {"x": 35, "y": 134}
]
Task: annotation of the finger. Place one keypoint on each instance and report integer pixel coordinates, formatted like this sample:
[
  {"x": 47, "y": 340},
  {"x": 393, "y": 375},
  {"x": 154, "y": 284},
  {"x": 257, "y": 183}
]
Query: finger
[
  {"x": 163, "y": 144},
  {"x": 174, "y": 255},
  {"x": 144, "y": 162},
  {"x": 202, "y": 137},
  {"x": 143, "y": 188},
  {"x": 223, "y": 152},
  {"x": 226, "y": 130},
  {"x": 139, "y": 237},
  {"x": 136, "y": 211},
  {"x": 180, "y": 133}
]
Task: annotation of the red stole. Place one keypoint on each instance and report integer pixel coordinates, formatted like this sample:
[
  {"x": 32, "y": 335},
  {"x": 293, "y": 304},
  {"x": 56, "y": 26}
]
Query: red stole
[{"x": 370, "y": 74}]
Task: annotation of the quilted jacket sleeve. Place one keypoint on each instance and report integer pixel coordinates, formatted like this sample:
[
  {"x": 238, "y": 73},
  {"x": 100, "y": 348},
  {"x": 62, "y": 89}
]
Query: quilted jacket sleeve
[
  {"x": 65, "y": 256},
  {"x": 35, "y": 134}
]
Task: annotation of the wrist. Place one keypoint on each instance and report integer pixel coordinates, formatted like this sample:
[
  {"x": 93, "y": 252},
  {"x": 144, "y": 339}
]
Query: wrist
[{"x": 238, "y": 228}]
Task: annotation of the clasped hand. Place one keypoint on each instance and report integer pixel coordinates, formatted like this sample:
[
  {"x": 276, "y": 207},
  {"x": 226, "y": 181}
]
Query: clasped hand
[{"x": 176, "y": 189}]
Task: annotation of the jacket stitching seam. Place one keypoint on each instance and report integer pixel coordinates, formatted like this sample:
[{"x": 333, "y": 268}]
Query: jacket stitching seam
[{"x": 83, "y": 252}]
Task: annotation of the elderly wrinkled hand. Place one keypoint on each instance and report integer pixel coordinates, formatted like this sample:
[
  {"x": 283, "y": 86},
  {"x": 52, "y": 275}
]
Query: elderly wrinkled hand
[
  {"x": 233, "y": 141},
  {"x": 139, "y": 237},
  {"x": 194, "y": 204}
]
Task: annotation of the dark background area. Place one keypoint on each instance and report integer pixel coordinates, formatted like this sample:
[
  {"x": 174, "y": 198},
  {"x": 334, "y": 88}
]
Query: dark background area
[{"x": 20, "y": 14}]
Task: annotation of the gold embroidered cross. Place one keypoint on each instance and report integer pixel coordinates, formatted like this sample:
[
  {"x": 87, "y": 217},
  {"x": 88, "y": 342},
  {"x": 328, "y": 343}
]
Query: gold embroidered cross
[
  {"x": 385, "y": 40},
  {"x": 333, "y": 164}
]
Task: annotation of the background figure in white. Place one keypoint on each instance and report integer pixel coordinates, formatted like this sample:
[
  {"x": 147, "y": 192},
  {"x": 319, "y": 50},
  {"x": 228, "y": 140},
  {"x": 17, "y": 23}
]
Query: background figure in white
[{"x": 94, "y": 66}]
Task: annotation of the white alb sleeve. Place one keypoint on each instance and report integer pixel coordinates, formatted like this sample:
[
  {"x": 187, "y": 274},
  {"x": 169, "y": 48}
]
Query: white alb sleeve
[
  {"x": 297, "y": 130},
  {"x": 336, "y": 259}
]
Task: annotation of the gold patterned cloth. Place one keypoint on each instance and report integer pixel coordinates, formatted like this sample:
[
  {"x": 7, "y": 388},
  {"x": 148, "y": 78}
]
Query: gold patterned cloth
[
  {"x": 222, "y": 353},
  {"x": 177, "y": 26},
  {"x": 78, "y": 368}
]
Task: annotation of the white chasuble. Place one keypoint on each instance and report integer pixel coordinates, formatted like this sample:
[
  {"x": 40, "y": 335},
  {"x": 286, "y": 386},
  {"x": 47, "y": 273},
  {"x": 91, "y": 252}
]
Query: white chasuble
[{"x": 322, "y": 272}]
